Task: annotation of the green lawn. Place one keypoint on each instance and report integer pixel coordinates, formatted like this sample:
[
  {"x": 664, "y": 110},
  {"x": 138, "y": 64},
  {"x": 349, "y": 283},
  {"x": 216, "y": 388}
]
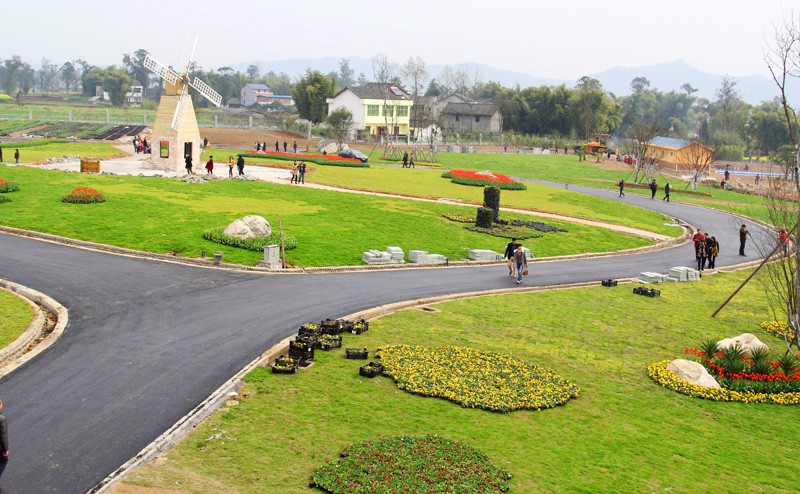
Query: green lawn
[
  {"x": 332, "y": 228},
  {"x": 15, "y": 315},
  {"x": 623, "y": 434},
  {"x": 32, "y": 154}
]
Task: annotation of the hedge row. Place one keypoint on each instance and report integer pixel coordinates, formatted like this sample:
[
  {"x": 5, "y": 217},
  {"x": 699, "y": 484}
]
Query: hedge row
[
  {"x": 319, "y": 160},
  {"x": 256, "y": 244}
]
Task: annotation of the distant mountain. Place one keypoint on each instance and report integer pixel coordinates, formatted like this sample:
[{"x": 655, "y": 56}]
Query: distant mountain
[{"x": 665, "y": 77}]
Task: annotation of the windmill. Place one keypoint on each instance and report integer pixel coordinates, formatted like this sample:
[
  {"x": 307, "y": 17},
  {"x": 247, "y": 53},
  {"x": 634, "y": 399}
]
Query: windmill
[{"x": 175, "y": 132}]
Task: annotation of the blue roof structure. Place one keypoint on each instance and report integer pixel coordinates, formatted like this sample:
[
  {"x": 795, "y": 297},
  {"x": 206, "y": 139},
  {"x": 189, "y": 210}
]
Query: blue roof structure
[{"x": 669, "y": 142}]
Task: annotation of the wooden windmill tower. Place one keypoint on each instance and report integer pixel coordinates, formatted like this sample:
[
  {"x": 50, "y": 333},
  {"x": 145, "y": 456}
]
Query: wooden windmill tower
[{"x": 175, "y": 132}]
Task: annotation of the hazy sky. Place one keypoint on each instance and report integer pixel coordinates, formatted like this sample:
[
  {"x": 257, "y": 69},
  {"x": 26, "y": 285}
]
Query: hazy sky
[{"x": 557, "y": 39}]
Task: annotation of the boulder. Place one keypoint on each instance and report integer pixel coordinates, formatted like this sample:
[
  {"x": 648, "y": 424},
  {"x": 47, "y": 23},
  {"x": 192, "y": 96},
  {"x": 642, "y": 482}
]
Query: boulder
[
  {"x": 239, "y": 229},
  {"x": 693, "y": 372},
  {"x": 332, "y": 148},
  {"x": 258, "y": 225},
  {"x": 745, "y": 341}
]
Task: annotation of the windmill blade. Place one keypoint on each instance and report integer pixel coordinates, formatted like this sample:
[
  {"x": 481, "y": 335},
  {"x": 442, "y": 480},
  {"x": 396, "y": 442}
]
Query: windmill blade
[
  {"x": 180, "y": 110},
  {"x": 160, "y": 69},
  {"x": 206, "y": 91},
  {"x": 188, "y": 51}
]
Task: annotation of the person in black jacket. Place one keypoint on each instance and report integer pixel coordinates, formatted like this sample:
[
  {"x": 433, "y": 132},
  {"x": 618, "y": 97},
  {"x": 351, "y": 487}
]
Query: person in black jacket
[
  {"x": 240, "y": 165},
  {"x": 3, "y": 442},
  {"x": 509, "y": 255},
  {"x": 653, "y": 189}
]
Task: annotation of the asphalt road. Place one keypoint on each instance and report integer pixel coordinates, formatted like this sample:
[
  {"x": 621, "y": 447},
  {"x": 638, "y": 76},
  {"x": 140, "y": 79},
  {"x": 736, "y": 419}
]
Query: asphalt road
[{"x": 148, "y": 341}]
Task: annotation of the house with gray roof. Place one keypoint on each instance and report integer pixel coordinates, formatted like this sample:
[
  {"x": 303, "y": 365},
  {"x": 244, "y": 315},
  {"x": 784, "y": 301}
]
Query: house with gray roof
[
  {"x": 370, "y": 116},
  {"x": 249, "y": 93},
  {"x": 471, "y": 117}
]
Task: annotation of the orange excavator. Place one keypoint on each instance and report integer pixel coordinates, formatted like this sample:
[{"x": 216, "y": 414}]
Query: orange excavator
[{"x": 598, "y": 144}]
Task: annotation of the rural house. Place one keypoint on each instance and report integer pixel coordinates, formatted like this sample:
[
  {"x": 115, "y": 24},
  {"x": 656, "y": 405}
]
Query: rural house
[{"x": 369, "y": 115}]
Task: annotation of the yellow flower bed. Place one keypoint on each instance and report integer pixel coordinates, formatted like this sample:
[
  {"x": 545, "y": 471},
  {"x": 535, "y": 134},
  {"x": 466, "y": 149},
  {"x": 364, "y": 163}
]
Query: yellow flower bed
[
  {"x": 778, "y": 329},
  {"x": 475, "y": 379},
  {"x": 665, "y": 377},
  {"x": 5, "y": 97}
]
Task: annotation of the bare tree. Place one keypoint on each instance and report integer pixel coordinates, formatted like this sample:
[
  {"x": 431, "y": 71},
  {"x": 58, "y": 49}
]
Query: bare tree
[
  {"x": 340, "y": 121},
  {"x": 646, "y": 156},
  {"x": 697, "y": 159},
  {"x": 385, "y": 72}
]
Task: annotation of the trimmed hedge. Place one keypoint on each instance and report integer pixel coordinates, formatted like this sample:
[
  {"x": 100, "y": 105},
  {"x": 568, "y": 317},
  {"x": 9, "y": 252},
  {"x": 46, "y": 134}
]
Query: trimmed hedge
[
  {"x": 491, "y": 199},
  {"x": 318, "y": 159},
  {"x": 485, "y": 217},
  {"x": 255, "y": 244}
]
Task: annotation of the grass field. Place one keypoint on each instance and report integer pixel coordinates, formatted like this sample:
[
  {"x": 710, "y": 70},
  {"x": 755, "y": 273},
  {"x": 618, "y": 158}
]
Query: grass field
[
  {"x": 165, "y": 215},
  {"x": 623, "y": 434},
  {"x": 32, "y": 154},
  {"x": 15, "y": 315}
]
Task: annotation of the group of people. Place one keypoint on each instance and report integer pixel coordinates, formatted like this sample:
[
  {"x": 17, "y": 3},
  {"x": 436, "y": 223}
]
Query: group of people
[
  {"x": 16, "y": 154},
  {"x": 517, "y": 262},
  {"x": 406, "y": 163},
  {"x": 653, "y": 190},
  {"x": 298, "y": 173},
  {"x": 239, "y": 163},
  {"x": 706, "y": 249},
  {"x": 262, "y": 146},
  {"x": 140, "y": 145}
]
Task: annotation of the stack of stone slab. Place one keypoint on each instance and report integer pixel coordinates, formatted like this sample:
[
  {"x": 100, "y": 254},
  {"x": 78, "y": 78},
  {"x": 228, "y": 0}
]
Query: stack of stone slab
[
  {"x": 396, "y": 253},
  {"x": 392, "y": 255},
  {"x": 683, "y": 274},
  {"x": 648, "y": 277},
  {"x": 422, "y": 257},
  {"x": 484, "y": 255}
]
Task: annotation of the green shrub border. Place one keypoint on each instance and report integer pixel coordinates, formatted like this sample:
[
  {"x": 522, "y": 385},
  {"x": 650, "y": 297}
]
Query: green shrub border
[
  {"x": 312, "y": 159},
  {"x": 4, "y": 199},
  {"x": 254, "y": 244}
]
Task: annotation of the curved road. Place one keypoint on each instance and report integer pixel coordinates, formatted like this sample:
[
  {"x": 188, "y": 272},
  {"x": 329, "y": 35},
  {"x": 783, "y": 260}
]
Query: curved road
[{"x": 148, "y": 341}]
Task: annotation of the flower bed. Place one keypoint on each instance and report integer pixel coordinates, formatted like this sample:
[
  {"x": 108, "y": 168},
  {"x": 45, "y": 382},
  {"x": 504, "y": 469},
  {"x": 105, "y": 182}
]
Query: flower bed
[
  {"x": 84, "y": 195},
  {"x": 407, "y": 464},
  {"x": 738, "y": 371},
  {"x": 536, "y": 225},
  {"x": 257, "y": 243},
  {"x": 320, "y": 159},
  {"x": 505, "y": 232},
  {"x": 416, "y": 163},
  {"x": 666, "y": 378},
  {"x": 460, "y": 218},
  {"x": 475, "y": 379},
  {"x": 6, "y": 187},
  {"x": 778, "y": 329},
  {"x": 482, "y": 179}
]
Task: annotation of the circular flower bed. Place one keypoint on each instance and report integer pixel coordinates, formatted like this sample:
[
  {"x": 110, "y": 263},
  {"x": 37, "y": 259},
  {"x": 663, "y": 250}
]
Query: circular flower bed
[
  {"x": 481, "y": 179},
  {"x": 475, "y": 379},
  {"x": 406, "y": 464},
  {"x": 84, "y": 195},
  {"x": 8, "y": 186},
  {"x": 663, "y": 376},
  {"x": 778, "y": 329}
]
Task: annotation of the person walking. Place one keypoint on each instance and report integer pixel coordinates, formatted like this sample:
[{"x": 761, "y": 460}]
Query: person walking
[
  {"x": 303, "y": 172},
  {"x": 258, "y": 146},
  {"x": 758, "y": 176},
  {"x": 294, "y": 146},
  {"x": 240, "y": 165},
  {"x": 413, "y": 156},
  {"x": 667, "y": 188},
  {"x": 509, "y": 255},
  {"x": 522, "y": 263},
  {"x": 188, "y": 161},
  {"x": 230, "y": 166},
  {"x": 1, "y": 152},
  {"x": 284, "y": 146},
  {"x": 405, "y": 159},
  {"x": 16, "y": 156},
  {"x": 3, "y": 442},
  {"x": 210, "y": 165},
  {"x": 743, "y": 233},
  {"x": 713, "y": 252},
  {"x": 653, "y": 189},
  {"x": 701, "y": 253},
  {"x": 277, "y": 147},
  {"x": 294, "y": 172},
  {"x": 621, "y": 185},
  {"x": 783, "y": 239}
]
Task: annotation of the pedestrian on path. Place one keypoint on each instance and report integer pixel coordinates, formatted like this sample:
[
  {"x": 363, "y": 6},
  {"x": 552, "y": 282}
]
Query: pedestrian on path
[
  {"x": 405, "y": 159},
  {"x": 230, "y": 166},
  {"x": 188, "y": 161},
  {"x": 701, "y": 252},
  {"x": 758, "y": 176},
  {"x": 3, "y": 442},
  {"x": 210, "y": 165},
  {"x": 240, "y": 165},
  {"x": 521, "y": 262},
  {"x": 653, "y": 189},
  {"x": 16, "y": 156},
  {"x": 303, "y": 172},
  {"x": 277, "y": 147},
  {"x": 621, "y": 186},
  {"x": 413, "y": 156},
  {"x": 783, "y": 239},
  {"x": 509, "y": 255},
  {"x": 294, "y": 146},
  {"x": 713, "y": 252},
  {"x": 294, "y": 173},
  {"x": 284, "y": 146},
  {"x": 743, "y": 233},
  {"x": 667, "y": 188},
  {"x": 1, "y": 152}
]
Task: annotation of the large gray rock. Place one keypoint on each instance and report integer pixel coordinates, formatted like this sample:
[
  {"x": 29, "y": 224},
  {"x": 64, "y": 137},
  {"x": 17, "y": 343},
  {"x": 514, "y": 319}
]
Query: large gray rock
[
  {"x": 239, "y": 229},
  {"x": 693, "y": 372},
  {"x": 746, "y": 342},
  {"x": 258, "y": 225}
]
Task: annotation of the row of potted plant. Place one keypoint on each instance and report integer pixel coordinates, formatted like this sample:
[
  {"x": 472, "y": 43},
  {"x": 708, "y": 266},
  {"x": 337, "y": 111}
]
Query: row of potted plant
[{"x": 411, "y": 464}]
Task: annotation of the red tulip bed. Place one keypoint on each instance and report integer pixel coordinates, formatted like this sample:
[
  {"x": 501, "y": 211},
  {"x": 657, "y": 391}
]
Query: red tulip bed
[
  {"x": 482, "y": 179},
  {"x": 7, "y": 186},
  {"x": 410, "y": 464},
  {"x": 320, "y": 159},
  {"x": 84, "y": 195}
]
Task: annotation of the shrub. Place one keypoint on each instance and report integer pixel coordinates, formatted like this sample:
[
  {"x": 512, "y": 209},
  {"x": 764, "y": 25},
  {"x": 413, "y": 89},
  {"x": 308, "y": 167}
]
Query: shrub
[
  {"x": 491, "y": 200},
  {"x": 8, "y": 186},
  {"x": 411, "y": 464},
  {"x": 256, "y": 244},
  {"x": 4, "y": 199},
  {"x": 485, "y": 217},
  {"x": 83, "y": 195},
  {"x": 320, "y": 159}
]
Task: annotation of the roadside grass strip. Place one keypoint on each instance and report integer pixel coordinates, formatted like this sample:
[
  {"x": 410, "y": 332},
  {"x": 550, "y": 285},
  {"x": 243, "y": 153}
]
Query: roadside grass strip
[
  {"x": 475, "y": 379},
  {"x": 406, "y": 464}
]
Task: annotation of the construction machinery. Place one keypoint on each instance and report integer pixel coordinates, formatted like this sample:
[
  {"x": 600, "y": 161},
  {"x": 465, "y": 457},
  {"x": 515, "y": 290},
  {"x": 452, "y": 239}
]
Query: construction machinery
[{"x": 598, "y": 144}]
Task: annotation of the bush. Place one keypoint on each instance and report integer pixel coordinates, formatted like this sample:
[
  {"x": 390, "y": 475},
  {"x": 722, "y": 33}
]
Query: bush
[
  {"x": 4, "y": 199},
  {"x": 255, "y": 244},
  {"x": 83, "y": 195},
  {"x": 485, "y": 217},
  {"x": 491, "y": 199},
  {"x": 8, "y": 186}
]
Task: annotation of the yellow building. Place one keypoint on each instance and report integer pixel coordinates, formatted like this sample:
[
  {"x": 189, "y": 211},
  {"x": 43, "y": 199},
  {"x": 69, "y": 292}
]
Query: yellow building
[
  {"x": 685, "y": 154},
  {"x": 370, "y": 116}
]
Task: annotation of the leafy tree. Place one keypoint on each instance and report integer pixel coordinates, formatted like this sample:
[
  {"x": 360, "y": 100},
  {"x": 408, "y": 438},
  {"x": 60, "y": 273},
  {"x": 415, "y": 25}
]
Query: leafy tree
[
  {"x": 90, "y": 79},
  {"x": 769, "y": 128},
  {"x": 346, "y": 74},
  {"x": 135, "y": 66},
  {"x": 11, "y": 68},
  {"x": 117, "y": 82},
  {"x": 587, "y": 83},
  {"x": 310, "y": 95},
  {"x": 433, "y": 89},
  {"x": 728, "y": 114},
  {"x": 68, "y": 75},
  {"x": 415, "y": 73},
  {"x": 688, "y": 88},
  {"x": 252, "y": 72},
  {"x": 340, "y": 120},
  {"x": 362, "y": 79},
  {"x": 639, "y": 84}
]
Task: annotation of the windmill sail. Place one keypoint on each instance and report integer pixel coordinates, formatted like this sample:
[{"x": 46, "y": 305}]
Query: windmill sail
[
  {"x": 160, "y": 69},
  {"x": 188, "y": 51},
  {"x": 206, "y": 91}
]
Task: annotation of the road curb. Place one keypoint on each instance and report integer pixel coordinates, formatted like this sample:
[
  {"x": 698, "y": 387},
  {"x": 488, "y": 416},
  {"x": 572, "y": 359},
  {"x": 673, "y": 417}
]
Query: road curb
[{"x": 16, "y": 354}]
